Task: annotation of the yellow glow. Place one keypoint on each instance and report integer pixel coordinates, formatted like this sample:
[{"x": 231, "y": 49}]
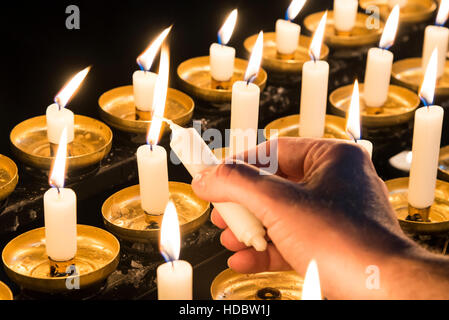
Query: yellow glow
[
  {"x": 170, "y": 241},
  {"x": 255, "y": 60},
  {"x": 391, "y": 28},
  {"x": 427, "y": 90},
  {"x": 145, "y": 60},
  {"x": 227, "y": 29},
  {"x": 443, "y": 12},
  {"x": 311, "y": 289},
  {"x": 160, "y": 97},
  {"x": 63, "y": 96},
  {"x": 294, "y": 8},
  {"x": 353, "y": 117},
  {"x": 317, "y": 40},
  {"x": 57, "y": 174}
]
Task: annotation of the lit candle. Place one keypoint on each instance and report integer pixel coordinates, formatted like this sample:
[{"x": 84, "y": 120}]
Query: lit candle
[
  {"x": 221, "y": 56},
  {"x": 151, "y": 158},
  {"x": 315, "y": 78},
  {"x": 437, "y": 37},
  {"x": 287, "y": 32},
  {"x": 58, "y": 117},
  {"x": 426, "y": 142},
  {"x": 60, "y": 210},
  {"x": 353, "y": 121},
  {"x": 379, "y": 64},
  {"x": 144, "y": 80},
  {"x": 196, "y": 156},
  {"x": 245, "y": 104},
  {"x": 345, "y": 14},
  {"x": 311, "y": 289},
  {"x": 174, "y": 278}
]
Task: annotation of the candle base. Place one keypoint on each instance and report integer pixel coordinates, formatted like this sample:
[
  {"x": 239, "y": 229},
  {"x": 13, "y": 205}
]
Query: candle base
[
  {"x": 343, "y": 33},
  {"x": 418, "y": 215},
  {"x": 373, "y": 111},
  {"x": 143, "y": 115},
  {"x": 62, "y": 268},
  {"x": 220, "y": 85},
  {"x": 285, "y": 56}
]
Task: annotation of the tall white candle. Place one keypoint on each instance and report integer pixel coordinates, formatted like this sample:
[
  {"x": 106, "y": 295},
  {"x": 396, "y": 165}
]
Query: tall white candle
[
  {"x": 144, "y": 80},
  {"x": 222, "y": 57},
  {"x": 287, "y": 32},
  {"x": 174, "y": 278},
  {"x": 315, "y": 78},
  {"x": 60, "y": 210},
  {"x": 437, "y": 37},
  {"x": 196, "y": 156},
  {"x": 379, "y": 64},
  {"x": 345, "y": 14}
]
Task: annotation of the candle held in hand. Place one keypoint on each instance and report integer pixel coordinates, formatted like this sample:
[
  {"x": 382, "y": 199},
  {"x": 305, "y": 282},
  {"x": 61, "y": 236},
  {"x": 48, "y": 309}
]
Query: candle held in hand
[
  {"x": 174, "y": 278},
  {"x": 60, "y": 211}
]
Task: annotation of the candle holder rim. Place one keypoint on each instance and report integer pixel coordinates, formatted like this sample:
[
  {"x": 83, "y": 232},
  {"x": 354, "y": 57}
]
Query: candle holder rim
[
  {"x": 406, "y": 17},
  {"x": 443, "y": 162},
  {"x": 5, "y": 292},
  {"x": 11, "y": 168},
  {"x": 35, "y": 242}
]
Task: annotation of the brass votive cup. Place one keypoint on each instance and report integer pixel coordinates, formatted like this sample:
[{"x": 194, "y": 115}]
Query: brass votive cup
[
  {"x": 443, "y": 164},
  {"x": 27, "y": 264},
  {"x": 93, "y": 141},
  {"x": 124, "y": 216},
  {"x": 288, "y": 126},
  {"x": 433, "y": 220},
  {"x": 272, "y": 61},
  {"x": 265, "y": 286},
  {"x": 399, "y": 108},
  {"x": 117, "y": 108},
  {"x": 195, "y": 78},
  {"x": 361, "y": 35},
  {"x": 5, "y": 292},
  {"x": 9, "y": 177},
  {"x": 412, "y": 11},
  {"x": 409, "y": 73}
]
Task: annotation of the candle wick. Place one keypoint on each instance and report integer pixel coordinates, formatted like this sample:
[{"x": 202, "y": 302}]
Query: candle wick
[
  {"x": 251, "y": 79},
  {"x": 58, "y": 189},
  {"x": 151, "y": 147}
]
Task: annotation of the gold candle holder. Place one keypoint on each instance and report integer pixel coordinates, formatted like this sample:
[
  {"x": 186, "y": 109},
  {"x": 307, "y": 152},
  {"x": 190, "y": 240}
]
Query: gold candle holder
[
  {"x": 195, "y": 78},
  {"x": 409, "y": 73},
  {"x": 443, "y": 164},
  {"x": 93, "y": 141},
  {"x": 230, "y": 285},
  {"x": 288, "y": 126},
  {"x": 399, "y": 108},
  {"x": 272, "y": 61},
  {"x": 5, "y": 292},
  {"x": 117, "y": 108},
  {"x": 9, "y": 177},
  {"x": 27, "y": 264},
  {"x": 431, "y": 220},
  {"x": 412, "y": 11},
  {"x": 361, "y": 35},
  {"x": 124, "y": 216}
]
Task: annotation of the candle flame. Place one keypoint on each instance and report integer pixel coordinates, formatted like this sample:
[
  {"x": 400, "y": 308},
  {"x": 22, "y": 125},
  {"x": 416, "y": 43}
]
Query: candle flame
[
  {"x": 409, "y": 157},
  {"x": 63, "y": 97},
  {"x": 311, "y": 289},
  {"x": 57, "y": 174},
  {"x": 317, "y": 40},
  {"x": 145, "y": 60},
  {"x": 427, "y": 91},
  {"x": 225, "y": 33},
  {"x": 443, "y": 13},
  {"x": 353, "y": 116},
  {"x": 170, "y": 241},
  {"x": 252, "y": 71},
  {"x": 294, "y": 8},
  {"x": 391, "y": 28},
  {"x": 160, "y": 97}
]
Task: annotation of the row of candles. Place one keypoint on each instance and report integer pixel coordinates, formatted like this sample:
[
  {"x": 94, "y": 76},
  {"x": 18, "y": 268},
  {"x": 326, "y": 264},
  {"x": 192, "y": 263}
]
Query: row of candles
[{"x": 150, "y": 91}]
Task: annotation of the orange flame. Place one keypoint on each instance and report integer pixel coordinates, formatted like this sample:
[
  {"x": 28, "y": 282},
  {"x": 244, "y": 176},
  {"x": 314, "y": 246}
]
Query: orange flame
[
  {"x": 353, "y": 117},
  {"x": 63, "y": 97},
  {"x": 443, "y": 13},
  {"x": 294, "y": 8},
  {"x": 311, "y": 289},
  {"x": 225, "y": 32},
  {"x": 145, "y": 60},
  {"x": 391, "y": 28},
  {"x": 317, "y": 40},
  {"x": 255, "y": 60},
  {"x": 170, "y": 241},
  {"x": 57, "y": 174}
]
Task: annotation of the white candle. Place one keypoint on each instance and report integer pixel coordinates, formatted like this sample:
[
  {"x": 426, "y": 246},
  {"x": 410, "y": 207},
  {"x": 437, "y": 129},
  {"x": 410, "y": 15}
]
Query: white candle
[
  {"x": 57, "y": 120},
  {"x": 380, "y": 63},
  {"x": 345, "y": 14},
  {"x": 315, "y": 78},
  {"x": 153, "y": 178},
  {"x": 287, "y": 32},
  {"x": 437, "y": 37},
  {"x": 60, "y": 210},
  {"x": 222, "y": 57},
  {"x": 174, "y": 278},
  {"x": 196, "y": 156}
]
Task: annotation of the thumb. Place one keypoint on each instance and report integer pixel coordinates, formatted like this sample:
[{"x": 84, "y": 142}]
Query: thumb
[{"x": 246, "y": 185}]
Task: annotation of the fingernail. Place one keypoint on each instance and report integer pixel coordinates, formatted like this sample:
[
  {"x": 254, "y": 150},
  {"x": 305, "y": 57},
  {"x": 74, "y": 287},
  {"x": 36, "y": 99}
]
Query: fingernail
[{"x": 229, "y": 262}]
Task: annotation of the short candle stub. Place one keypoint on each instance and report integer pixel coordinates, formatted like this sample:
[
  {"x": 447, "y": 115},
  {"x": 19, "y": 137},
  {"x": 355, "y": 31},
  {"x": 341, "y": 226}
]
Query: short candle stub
[
  {"x": 60, "y": 269},
  {"x": 418, "y": 215},
  {"x": 268, "y": 294}
]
